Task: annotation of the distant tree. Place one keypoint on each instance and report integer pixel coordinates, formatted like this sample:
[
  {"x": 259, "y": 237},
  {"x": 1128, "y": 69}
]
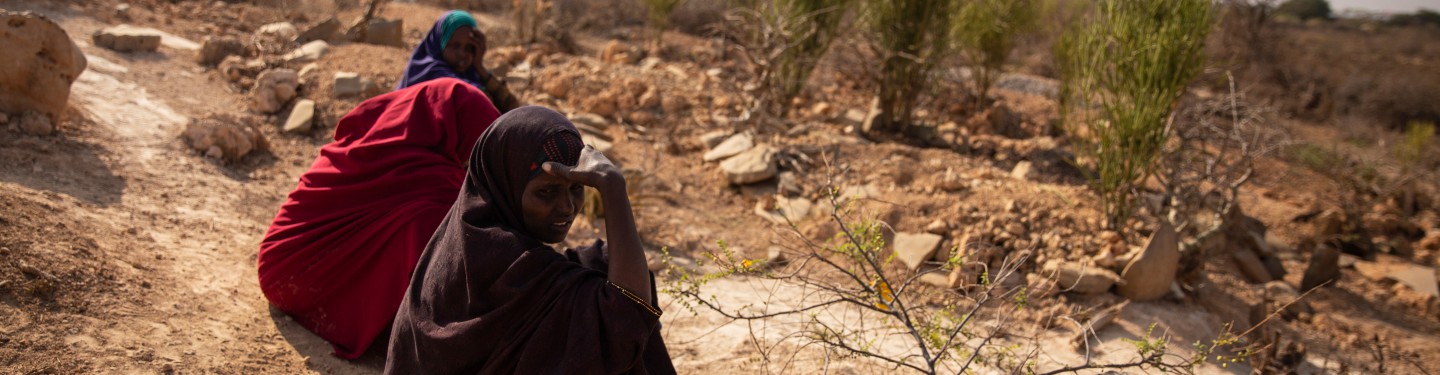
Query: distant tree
[
  {"x": 1306, "y": 9},
  {"x": 1420, "y": 17},
  {"x": 911, "y": 37}
]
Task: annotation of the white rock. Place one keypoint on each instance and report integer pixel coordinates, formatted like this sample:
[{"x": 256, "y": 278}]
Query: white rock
[
  {"x": 347, "y": 84},
  {"x": 1023, "y": 170},
  {"x": 300, "y": 117},
  {"x": 914, "y": 249},
  {"x": 279, "y": 31},
  {"x": 755, "y": 165},
  {"x": 309, "y": 52},
  {"x": 732, "y": 146}
]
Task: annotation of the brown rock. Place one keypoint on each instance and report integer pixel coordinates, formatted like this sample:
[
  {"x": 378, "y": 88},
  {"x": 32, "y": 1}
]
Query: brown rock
[
  {"x": 385, "y": 32},
  {"x": 1324, "y": 267},
  {"x": 558, "y": 88},
  {"x": 672, "y": 104},
  {"x": 224, "y": 137},
  {"x": 42, "y": 81},
  {"x": 236, "y": 68},
  {"x": 1251, "y": 266},
  {"x": 274, "y": 88},
  {"x": 914, "y": 249},
  {"x": 324, "y": 30},
  {"x": 126, "y": 38},
  {"x": 755, "y": 165},
  {"x": 1149, "y": 275},
  {"x": 1082, "y": 279},
  {"x": 215, "y": 49}
]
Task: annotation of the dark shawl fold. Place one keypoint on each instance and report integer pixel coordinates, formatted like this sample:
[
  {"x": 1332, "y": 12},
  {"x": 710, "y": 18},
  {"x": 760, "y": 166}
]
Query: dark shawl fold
[{"x": 488, "y": 298}]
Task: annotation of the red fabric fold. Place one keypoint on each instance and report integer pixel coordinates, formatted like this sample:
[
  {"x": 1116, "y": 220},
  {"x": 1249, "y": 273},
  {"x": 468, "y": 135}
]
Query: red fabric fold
[{"x": 339, "y": 254}]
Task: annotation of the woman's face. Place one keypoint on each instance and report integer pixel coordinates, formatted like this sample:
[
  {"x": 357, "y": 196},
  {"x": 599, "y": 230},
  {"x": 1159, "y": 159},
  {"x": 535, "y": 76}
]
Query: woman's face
[
  {"x": 549, "y": 205},
  {"x": 465, "y": 50}
]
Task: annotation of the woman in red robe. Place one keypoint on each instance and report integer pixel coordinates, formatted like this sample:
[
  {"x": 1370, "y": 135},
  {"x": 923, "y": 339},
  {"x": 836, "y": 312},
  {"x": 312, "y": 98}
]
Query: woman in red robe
[{"x": 338, "y": 256}]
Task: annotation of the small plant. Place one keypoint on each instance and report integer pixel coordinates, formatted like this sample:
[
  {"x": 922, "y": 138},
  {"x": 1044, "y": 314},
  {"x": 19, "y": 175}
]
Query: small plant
[
  {"x": 1418, "y": 137},
  {"x": 1123, "y": 73},
  {"x": 911, "y": 36},
  {"x": 658, "y": 14},
  {"x": 854, "y": 301},
  {"x": 987, "y": 31},
  {"x": 783, "y": 40}
]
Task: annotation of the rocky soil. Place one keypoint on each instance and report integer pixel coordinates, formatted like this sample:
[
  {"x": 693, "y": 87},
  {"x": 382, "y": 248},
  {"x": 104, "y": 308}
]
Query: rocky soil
[{"x": 130, "y": 224}]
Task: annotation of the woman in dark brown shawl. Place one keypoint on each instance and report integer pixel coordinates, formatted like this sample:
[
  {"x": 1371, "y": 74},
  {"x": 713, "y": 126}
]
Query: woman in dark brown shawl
[{"x": 489, "y": 296}]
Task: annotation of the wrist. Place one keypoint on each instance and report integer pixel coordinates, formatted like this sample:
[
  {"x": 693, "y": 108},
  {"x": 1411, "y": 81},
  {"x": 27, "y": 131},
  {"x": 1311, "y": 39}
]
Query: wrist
[{"x": 612, "y": 185}]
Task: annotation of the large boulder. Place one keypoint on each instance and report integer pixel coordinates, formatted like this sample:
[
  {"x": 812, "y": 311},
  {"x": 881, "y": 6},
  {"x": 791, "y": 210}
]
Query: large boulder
[
  {"x": 126, "y": 38},
  {"x": 274, "y": 88},
  {"x": 38, "y": 65}
]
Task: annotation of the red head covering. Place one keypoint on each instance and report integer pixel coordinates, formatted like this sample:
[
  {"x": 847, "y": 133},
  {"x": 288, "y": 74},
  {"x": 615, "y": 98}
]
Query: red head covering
[{"x": 340, "y": 252}]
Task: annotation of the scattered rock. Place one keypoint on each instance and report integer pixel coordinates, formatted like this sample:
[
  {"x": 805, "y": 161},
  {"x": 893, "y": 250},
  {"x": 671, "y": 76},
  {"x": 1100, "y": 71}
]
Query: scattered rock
[
  {"x": 650, "y": 99},
  {"x": 794, "y": 209},
  {"x": 277, "y": 33},
  {"x": 1082, "y": 279},
  {"x": 347, "y": 84},
  {"x": 34, "y": 123},
  {"x": 732, "y": 146},
  {"x": 914, "y": 249},
  {"x": 1280, "y": 295},
  {"x": 309, "y": 52},
  {"x": 325, "y": 30},
  {"x": 122, "y": 11},
  {"x": 789, "y": 185},
  {"x": 755, "y": 165},
  {"x": 215, "y": 49},
  {"x": 713, "y": 138},
  {"x": 1095, "y": 322},
  {"x": 36, "y": 84},
  {"x": 1005, "y": 122},
  {"x": 673, "y": 103},
  {"x": 775, "y": 257},
  {"x": 1421, "y": 279},
  {"x": 301, "y": 117},
  {"x": 224, "y": 137},
  {"x": 937, "y": 227},
  {"x": 868, "y": 126},
  {"x": 126, "y": 38},
  {"x": 236, "y": 69},
  {"x": 617, "y": 52},
  {"x": 307, "y": 71},
  {"x": 558, "y": 88},
  {"x": 1324, "y": 267},
  {"x": 385, "y": 32},
  {"x": 1149, "y": 275},
  {"x": 590, "y": 119},
  {"x": 274, "y": 88},
  {"x": 1023, "y": 170}
]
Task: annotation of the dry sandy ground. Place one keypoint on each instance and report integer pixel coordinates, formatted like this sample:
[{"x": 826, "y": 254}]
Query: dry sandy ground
[{"x": 122, "y": 251}]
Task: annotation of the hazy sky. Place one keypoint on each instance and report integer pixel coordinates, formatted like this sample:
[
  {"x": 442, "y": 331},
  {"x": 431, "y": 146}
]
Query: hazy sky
[{"x": 1405, "y": 6}]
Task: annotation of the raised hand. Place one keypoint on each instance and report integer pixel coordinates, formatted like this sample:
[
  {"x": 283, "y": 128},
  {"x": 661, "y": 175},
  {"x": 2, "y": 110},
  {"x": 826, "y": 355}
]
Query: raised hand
[{"x": 593, "y": 169}]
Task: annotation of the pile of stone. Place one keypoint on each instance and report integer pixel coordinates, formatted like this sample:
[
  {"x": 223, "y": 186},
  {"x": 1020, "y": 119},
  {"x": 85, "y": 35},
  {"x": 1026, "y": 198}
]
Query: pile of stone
[
  {"x": 741, "y": 160},
  {"x": 224, "y": 137}
]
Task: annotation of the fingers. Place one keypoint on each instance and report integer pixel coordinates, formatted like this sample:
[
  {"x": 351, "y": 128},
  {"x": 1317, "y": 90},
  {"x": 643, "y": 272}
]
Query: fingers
[{"x": 556, "y": 169}]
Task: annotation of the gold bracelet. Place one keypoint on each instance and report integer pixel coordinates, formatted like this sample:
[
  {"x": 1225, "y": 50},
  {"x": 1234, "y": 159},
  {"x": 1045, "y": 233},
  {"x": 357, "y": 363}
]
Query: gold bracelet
[{"x": 636, "y": 298}]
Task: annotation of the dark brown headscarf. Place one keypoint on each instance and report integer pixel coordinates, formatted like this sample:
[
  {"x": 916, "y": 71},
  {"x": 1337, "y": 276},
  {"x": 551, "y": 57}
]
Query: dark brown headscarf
[{"x": 487, "y": 297}]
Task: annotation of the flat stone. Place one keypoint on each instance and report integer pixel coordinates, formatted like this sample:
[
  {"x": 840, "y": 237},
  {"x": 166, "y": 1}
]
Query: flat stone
[
  {"x": 347, "y": 84},
  {"x": 301, "y": 117},
  {"x": 1251, "y": 266},
  {"x": 936, "y": 279},
  {"x": 755, "y": 165},
  {"x": 1082, "y": 279},
  {"x": 1149, "y": 275},
  {"x": 590, "y": 119},
  {"x": 937, "y": 227},
  {"x": 793, "y": 208},
  {"x": 1420, "y": 278},
  {"x": 732, "y": 146},
  {"x": 325, "y": 30},
  {"x": 385, "y": 32},
  {"x": 712, "y": 139},
  {"x": 309, "y": 52},
  {"x": 126, "y": 38},
  {"x": 914, "y": 249}
]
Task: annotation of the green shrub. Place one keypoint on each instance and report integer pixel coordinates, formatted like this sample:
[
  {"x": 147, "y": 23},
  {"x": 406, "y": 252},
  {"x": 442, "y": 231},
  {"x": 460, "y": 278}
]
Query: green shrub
[
  {"x": 1123, "y": 73},
  {"x": 987, "y": 31},
  {"x": 1417, "y": 140},
  {"x": 784, "y": 41},
  {"x": 1305, "y": 9},
  {"x": 911, "y": 36}
]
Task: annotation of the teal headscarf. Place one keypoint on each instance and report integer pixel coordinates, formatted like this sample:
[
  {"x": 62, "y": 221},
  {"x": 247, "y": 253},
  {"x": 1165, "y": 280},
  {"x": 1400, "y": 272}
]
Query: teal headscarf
[{"x": 453, "y": 20}]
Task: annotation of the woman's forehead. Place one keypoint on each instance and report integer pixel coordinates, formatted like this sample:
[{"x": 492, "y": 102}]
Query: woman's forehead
[{"x": 543, "y": 179}]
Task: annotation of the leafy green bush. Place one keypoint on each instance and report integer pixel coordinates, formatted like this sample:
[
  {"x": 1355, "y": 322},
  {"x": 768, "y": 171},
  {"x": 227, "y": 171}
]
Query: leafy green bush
[
  {"x": 1123, "y": 73},
  {"x": 987, "y": 32},
  {"x": 911, "y": 36},
  {"x": 1306, "y": 9}
]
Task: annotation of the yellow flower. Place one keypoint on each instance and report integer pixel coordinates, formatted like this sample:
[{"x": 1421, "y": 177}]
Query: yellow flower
[{"x": 746, "y": 264}]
